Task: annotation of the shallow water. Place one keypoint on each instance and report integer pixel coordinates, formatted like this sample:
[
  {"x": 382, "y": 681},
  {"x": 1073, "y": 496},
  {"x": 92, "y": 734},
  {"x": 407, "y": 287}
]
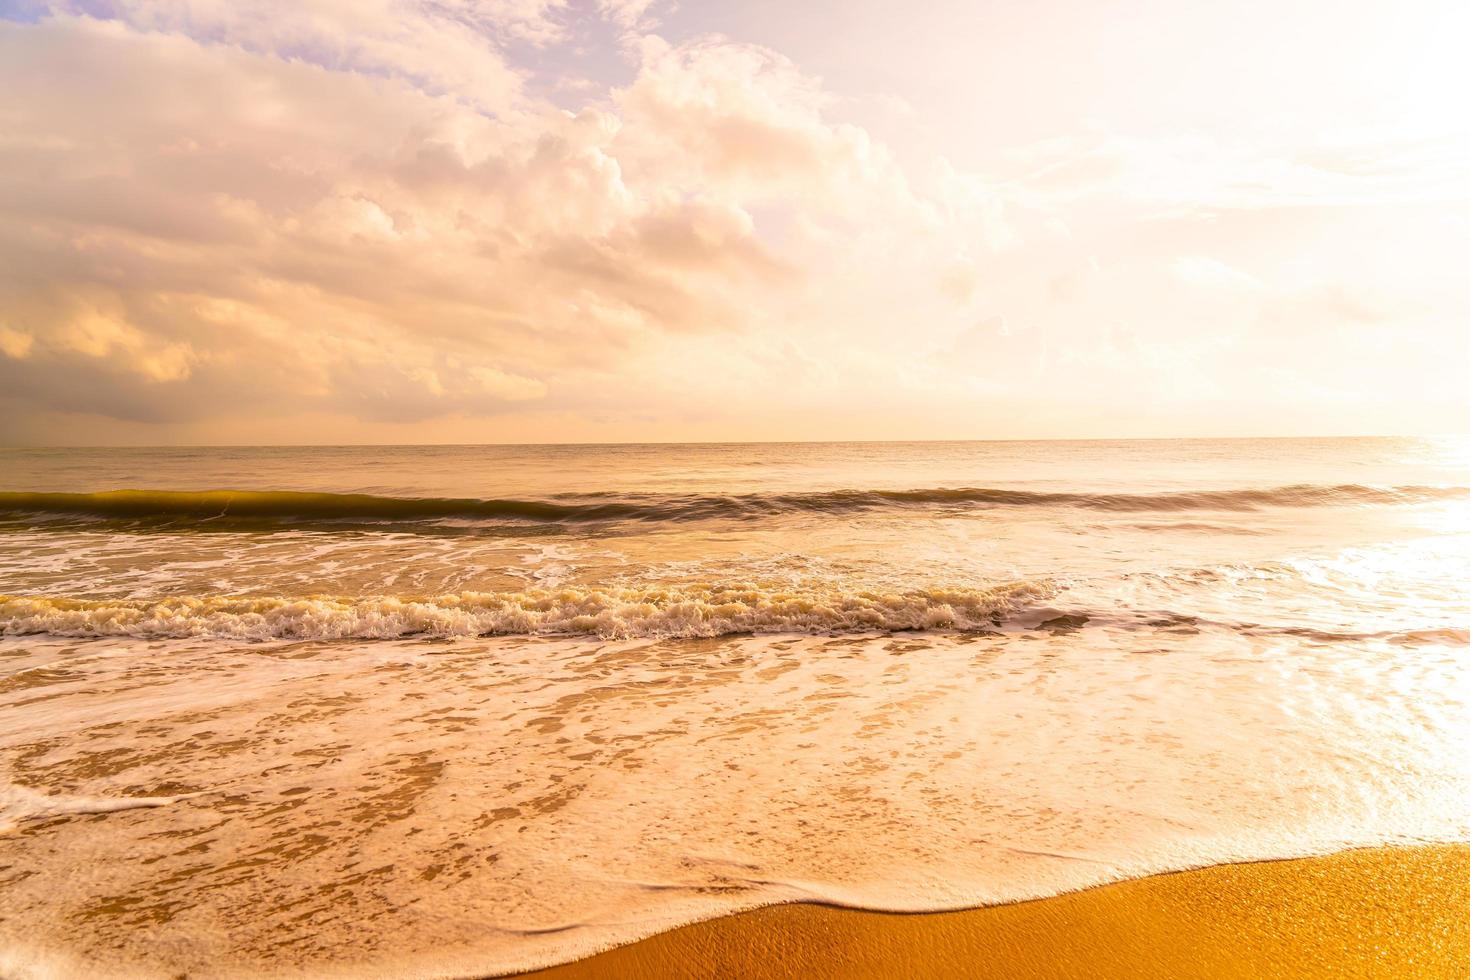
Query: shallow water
[{"x": 330, "y": 734}]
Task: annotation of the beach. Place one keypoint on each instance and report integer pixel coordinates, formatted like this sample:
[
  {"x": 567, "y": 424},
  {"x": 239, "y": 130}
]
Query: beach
[
  {"x": 1386, "y": 913},
  {"x": 468, "y": 711},
  {"x": 780, "y": 489}
]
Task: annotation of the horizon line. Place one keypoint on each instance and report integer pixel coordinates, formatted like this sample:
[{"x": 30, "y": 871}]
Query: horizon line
[{"x": 726, "y": 442}]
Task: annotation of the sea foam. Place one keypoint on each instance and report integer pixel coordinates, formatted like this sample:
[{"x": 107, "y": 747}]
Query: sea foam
[{"x": 687, "y": 611}]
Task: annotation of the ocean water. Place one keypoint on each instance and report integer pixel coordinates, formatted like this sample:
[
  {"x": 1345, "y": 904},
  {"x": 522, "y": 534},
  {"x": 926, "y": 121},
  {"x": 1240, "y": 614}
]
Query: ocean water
[{"x": 468, "y": 710}]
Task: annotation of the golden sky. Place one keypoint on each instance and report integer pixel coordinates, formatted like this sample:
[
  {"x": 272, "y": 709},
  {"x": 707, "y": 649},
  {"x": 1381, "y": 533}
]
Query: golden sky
[{"x": 228, "y": 221}]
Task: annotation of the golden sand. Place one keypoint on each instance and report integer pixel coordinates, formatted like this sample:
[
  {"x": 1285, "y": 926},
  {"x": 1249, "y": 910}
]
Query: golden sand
[{"x": 1401, "y": 912}]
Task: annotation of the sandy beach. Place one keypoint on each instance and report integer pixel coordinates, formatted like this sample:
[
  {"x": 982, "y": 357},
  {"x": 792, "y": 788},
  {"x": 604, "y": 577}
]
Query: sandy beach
[
  {"x": 1381, "y": 912},
  {"x": 670, "y": 489},
  {"x": 485, "y": 715}
]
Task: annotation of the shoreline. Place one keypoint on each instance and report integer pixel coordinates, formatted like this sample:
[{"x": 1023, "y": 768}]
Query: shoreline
[{"x": 1381, "y": 912}]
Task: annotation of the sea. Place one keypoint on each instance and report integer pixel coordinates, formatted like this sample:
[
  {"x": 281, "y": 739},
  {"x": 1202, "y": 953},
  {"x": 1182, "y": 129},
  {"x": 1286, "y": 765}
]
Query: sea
[{"x": 470, "y": 710}]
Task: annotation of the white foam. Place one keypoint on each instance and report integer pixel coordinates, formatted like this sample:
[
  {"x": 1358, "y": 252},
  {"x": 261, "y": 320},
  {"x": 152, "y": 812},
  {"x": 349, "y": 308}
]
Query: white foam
[
  {"x": 19, "y": 804},
  {"x": 672, "y": 611},
  {"x": 493, "y": 805}
]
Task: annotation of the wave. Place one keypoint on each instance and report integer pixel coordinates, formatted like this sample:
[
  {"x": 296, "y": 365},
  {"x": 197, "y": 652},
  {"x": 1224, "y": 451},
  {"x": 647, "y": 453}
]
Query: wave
[
  {"x": 689, "y": 611},
  {"x": 230, "y": 508},
  {"x": 1167, "y": 621},
  {"x": 20, "y": 804}
]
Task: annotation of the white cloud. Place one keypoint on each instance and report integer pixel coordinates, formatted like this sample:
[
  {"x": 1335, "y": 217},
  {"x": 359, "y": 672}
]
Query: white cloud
[
  {"x": 337, "y": 237},
  {"x": 16, "y": 345},
  {"x": 1203, "y": 271},
  {"x": 216, "y": 212}
]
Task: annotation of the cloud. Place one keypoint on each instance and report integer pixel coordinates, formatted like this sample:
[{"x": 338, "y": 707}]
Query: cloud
[
  {"x": 220, "y": 215},
  {"x": 440, "y": 45},
  {"x": 16, "y": 345},
  {"x": 1193, "y": 171},
  {"x": 630, "y": 14},
  {"x": 237, "y": 209},
  {"x": 1208, "y": 273},
  {"x": 344, "y": 238}
]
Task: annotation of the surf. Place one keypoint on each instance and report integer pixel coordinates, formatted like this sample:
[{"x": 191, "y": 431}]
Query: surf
[
  {"x": 287, "y": 508},
  {"x": 675, "y": 612}
]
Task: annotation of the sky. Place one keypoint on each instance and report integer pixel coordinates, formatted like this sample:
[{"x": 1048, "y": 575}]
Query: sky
[{"x": 460, "y": 221}]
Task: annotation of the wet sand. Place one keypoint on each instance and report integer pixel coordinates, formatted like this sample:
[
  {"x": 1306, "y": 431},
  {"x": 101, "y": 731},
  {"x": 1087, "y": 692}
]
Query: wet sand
[{"x": 1391, "y": 912}]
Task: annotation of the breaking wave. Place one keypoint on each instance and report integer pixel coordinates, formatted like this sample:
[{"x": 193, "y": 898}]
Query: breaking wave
[
  {"x": 301, "y": 509},
  {"x": 689, "y": 611}
]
